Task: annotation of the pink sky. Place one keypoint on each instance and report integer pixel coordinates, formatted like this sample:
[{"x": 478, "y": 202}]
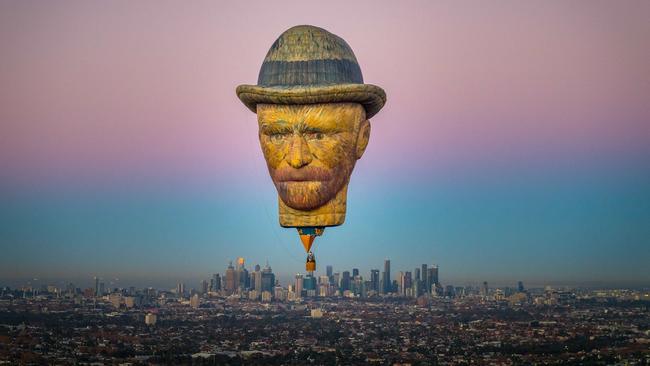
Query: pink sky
[{"x": 100, "y": 90}]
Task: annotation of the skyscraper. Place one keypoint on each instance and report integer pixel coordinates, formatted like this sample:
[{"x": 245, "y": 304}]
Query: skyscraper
[
  {"x": 267, "y": 279},
  {"x": 345, "y": 281},
  {"x": 96, "y": 286},
  {"x": 374, "y": 280},
  {"x": 329, "y": 271},
  {"x": 426, "y": 286},
  {"x": 355, "y": 272},
  {"x": 299, "y": 285},
  {"x": 386, "y": 277},
  {"x": 231, "y": 281},
  {"x": 216, "y": 284}
]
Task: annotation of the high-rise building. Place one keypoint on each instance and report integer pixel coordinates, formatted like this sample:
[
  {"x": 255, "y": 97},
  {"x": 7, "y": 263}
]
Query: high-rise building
[
  {"x": 355, "y": 272},
  {"x": 426, "y": 286},
  {"x": 329, "y": 271},
  {"x": 204, "y": 287},
  {"x": 405, "y": 283},
  {"x": 267, "y": 279},
  {"x": 101, "y": 289},
  {"x": 386, "y": 279},
  {"x": 309, "y": 282},
  {"x": 231, "y": 281},
  {"x": 484, "y": 289},
  {"x": 96, "y": 286},
  {"x": 345, "y": 281},
  {"x": 216, "y": 282},
  {"x": 374, "y": 280},
  {"x": 299, "y": 283},
  {"x": 180, "y": 289},
  {"x": 417, "y": 275},
  {"x": 433, "y": 276},
  {"x": 520, "y": 286}
]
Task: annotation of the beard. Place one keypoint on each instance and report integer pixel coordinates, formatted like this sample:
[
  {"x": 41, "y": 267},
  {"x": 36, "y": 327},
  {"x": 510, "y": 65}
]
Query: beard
[{"x": 309, "y": 188}]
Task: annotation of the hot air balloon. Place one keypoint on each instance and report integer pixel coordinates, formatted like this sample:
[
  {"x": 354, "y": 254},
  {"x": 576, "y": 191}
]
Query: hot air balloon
[{"x": 313, "y": 112}]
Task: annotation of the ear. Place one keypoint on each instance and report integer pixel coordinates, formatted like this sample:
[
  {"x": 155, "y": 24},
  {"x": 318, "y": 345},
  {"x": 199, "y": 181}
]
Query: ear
[{"x": 363, "y": 137}]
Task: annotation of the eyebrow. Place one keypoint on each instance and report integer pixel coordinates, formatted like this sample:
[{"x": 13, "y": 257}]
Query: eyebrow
[{"x": 271, "y": 128}]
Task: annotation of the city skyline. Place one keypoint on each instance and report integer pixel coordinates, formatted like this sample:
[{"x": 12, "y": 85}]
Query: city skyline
[
  {"x": 195, "y": 282},
  {"x": 514, "y": 144}
]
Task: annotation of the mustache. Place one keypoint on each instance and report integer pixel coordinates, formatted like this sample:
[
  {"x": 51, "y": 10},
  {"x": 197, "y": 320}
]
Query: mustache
[{"x": 303, "y": 174}]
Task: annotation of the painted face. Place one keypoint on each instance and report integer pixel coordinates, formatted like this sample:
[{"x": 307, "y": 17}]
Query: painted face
[{"x": 311, "y": 149}]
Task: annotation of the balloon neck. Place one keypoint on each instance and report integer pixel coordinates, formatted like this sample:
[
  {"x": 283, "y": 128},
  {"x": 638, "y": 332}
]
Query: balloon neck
[{"x": 308, "y": 234}]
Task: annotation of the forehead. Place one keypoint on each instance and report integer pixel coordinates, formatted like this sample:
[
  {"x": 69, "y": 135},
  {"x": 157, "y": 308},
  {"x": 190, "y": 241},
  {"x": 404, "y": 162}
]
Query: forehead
[{"x": 327, "y": 113}]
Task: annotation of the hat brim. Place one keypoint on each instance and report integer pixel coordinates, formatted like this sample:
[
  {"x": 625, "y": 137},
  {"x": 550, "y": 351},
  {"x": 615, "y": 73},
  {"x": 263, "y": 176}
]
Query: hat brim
[{"x": 370, "y": 96}]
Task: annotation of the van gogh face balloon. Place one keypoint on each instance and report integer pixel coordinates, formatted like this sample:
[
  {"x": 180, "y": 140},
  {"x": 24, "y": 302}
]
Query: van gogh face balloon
[{"x": 312, "y": 109}]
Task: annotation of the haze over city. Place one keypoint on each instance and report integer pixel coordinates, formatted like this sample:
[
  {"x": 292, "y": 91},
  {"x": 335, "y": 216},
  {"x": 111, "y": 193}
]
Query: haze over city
[{"x": 514, "y": 144}]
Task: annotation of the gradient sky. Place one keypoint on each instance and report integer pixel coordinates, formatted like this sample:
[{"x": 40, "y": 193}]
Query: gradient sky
[{"x": 515, "y": 144}]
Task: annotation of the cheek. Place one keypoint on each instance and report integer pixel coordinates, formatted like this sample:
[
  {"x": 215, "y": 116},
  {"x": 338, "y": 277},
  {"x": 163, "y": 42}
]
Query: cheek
[
  {"x": 273, "y": 152},
  {"x": 334, "y": 150}
]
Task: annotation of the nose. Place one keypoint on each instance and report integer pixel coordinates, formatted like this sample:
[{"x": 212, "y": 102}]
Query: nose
[{"x": 299, "y": 154}]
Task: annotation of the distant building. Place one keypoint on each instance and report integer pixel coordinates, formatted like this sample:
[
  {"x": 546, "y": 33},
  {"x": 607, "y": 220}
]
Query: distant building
[
  {"x": 195, "y": 301},
  {"x": 316, "y": 313},
  {"x": 386, "y": 279},
  {"x": 374, "y": 280},
  {"x": 345, "y": 281},
  {"x": 231, "y": 281},
  {"x": 299, "y": 283},
  {"x": 150, "y": 319},
  {"x": 426, "y": 285}
]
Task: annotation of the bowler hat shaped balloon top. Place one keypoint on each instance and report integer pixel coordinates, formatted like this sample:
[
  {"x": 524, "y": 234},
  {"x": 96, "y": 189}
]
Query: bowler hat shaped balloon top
[{"x": 308, "y": 65}]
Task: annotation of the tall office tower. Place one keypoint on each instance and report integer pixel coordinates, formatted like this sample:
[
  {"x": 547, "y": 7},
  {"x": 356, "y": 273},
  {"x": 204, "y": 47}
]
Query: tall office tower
[
  {"x": 405, "y": 283},
  {"x": 355, "y": 272},
  {"x": 520, "y": 286},
  {"x": 484, "y": 289},
  {"x": 204, "y": 287},
  {"x": 323, "y": 280},
  {"x": 243, "y": 278},
  {"x": 257, "y": 268},
  {"x": 309, "y": 282},
  {"x": 216, "y": 286},
  {"x": 329, "y": 271},
  {"x": 400, "y": 282},
  {"x": 386, "y": 277},
  {"x": 417, "y": 274},
  {"x": 231, "y": 280},
  {"x": 267, "y": 278},
  {"x": 180, "y": 289},
  {"x": 374, "y": 280},
  {"x": 433, "y": 276},
  {"x": 101, "y": 289},
  {"x": 299, "y": 283},
  {"x": 426, "y": 287},
  {"x": 358, "y": 287},
  {"x": 257, "y": 279},
  {"x": 345, "y": 281},
  {"x": 96, "y": 286}
]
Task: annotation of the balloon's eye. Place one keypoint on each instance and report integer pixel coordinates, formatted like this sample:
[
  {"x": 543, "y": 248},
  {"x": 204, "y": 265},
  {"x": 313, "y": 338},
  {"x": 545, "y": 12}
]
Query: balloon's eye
[
  {"x": 277, "y": 137},
  {"x": 314, "y": 136}
]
